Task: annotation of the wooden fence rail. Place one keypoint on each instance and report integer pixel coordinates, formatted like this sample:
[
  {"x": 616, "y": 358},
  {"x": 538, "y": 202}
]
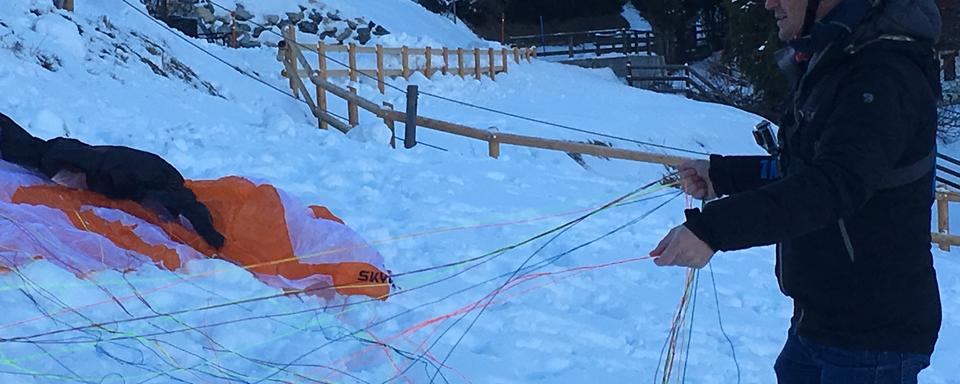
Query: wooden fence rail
[
  {"x": 942, "y": 236},
  {"x": 296, "y": 65},
  {"x": 485, "y": 61}
]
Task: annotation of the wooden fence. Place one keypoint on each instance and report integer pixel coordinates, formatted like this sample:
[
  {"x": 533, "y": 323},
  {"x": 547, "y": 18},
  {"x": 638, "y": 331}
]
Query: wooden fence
[
  {"x": 599, "y": 42},
  {"x": 661, "y": 78},
  {"x": 942, "y": 236},
  {"x": 484, "y": 61},
  {"x": 296, "y": 63}
]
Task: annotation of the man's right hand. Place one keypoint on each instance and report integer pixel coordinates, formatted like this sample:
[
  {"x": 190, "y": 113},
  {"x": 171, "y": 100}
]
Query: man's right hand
[{"x": 695, "y": 179}]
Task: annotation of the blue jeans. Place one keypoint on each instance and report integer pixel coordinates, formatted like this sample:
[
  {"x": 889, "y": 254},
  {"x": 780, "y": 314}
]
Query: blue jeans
[{"x": 805, "y": 362}]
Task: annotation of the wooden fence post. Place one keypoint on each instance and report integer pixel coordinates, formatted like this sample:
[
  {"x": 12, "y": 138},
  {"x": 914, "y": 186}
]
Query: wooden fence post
[
  {"x": 380, "y": 83},
  {"x": 626, "y": 41},
  {"x": 516, "y": 55},
  {"x": 354, "y": 111},
  {"x": 950, "y": 66},
  {"x": 429, "y": 54},
  {"x": 629, "y": 72},
  {"x": 460, "y": 62},
  {"x": 476, "y": 63},
  {"x": 494, "y": 147},
  {"x": 352, "y": 52},
  {"x": 233, "y": 30},
  {"x": 410, "y": 128},
  {"x": 290, "y": 35},
  {"x": 492, "y": 61},
  {"x": 503, "y": 58},
  {"x": 390, "y": 125},
  {"x": 943, "y": 218},
  {"x": 68, "y": 5},
  {"x": 533, "y": 53},
  {"x": 446, "y": 61},
  {"x": 405, "y": 53},
  {"x": 570, "y": 47},
  {"x": 322, "y": 73}
]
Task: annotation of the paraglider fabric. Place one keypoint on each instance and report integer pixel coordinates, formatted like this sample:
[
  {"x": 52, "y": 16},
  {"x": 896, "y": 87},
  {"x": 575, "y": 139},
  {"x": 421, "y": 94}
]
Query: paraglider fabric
[{"x": 283, "y": 243}]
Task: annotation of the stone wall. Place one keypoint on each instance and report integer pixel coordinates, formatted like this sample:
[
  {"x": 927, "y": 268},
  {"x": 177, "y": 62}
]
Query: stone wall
[{"x": 254, "y": 30}]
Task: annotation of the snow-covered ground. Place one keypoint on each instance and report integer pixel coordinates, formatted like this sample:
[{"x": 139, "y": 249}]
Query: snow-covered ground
[
  {"x": 633, "y": 17},
  {"x": 599, "y": 314}
]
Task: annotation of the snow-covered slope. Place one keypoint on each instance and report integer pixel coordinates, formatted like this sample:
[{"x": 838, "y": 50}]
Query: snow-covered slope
[{"x": 108, "y": 74}]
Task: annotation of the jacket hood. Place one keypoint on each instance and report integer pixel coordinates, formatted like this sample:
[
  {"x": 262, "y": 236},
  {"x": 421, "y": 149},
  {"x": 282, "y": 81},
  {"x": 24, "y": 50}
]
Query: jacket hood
[{"x": 919, "y": 19}]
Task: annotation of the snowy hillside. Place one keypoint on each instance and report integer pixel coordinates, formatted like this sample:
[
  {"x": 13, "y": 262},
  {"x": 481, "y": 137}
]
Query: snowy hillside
[{"x": 589, "y": 307}]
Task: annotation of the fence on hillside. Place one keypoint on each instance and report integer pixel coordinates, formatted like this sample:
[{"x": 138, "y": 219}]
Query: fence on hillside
[
  {"x": 297, "y": 66},
  {"x": 484, "y": 62},
  {"x": 600, "y": 42},
  {"x": 682, "y": 79}
]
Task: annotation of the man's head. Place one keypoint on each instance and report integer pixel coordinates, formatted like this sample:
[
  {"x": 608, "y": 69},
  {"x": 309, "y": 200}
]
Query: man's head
[{"x": 791, "y": 15}]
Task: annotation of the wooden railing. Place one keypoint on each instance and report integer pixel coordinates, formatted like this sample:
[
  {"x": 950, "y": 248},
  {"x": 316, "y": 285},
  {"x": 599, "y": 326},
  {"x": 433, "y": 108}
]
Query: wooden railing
[
  {"x": 484, "y": 61},
  {"x": 598, "y": 42},
  {"x": 942, "y": 236},
  {"x": 296, "y": 65},
  {"x": 661, "y": 78}
]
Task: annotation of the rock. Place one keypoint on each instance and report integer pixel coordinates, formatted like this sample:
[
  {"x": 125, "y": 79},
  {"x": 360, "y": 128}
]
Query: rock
[
  {"x": 363, "y": 35},
  {"x": 342, "y": 36},
  {"x": 329, "y": 32},
  {"x": 242, "y": 14},
  {"x": 224, "y": 19},
  {"x": 371, "y": 25},
  {"x": 334, "y": 16},
  {"x": 380, "y": 31},
  {"x": 272, "y": 19},
  {"x": 295, "y": 17},
  {"x": 352, "y": 24},
  {"x": 283, "y": 24},
  {"x": 270, "y": 44},
  {"x": 242, "y": 27},
  {"x": 223, "y": 28},
  {"x": 206, "y": 15},
  {"x": 258, "y": 31},
  {"x": 302, "y": 8},
  {"x": 315, "y": 17},
  {"x": 308, "y": 27},
  {"x": 248, "y": 42}
]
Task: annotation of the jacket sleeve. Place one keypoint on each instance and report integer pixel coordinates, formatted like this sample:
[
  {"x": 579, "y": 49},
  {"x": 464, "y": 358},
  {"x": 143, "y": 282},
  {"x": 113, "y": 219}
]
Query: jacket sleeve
[
  {"x": 861, "y": 142},
  {"x": 731, "y": 175},
  {"x": 182, "y": 201}
]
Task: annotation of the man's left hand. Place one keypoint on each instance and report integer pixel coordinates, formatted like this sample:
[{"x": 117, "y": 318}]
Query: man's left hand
[{"x": 682, "y": 248}]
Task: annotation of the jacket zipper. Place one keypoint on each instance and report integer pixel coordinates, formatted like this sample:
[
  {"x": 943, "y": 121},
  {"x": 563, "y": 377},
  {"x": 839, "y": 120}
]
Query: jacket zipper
[
  {"x": 780, "y": 269},
  {"x": 846, "y": 241}
]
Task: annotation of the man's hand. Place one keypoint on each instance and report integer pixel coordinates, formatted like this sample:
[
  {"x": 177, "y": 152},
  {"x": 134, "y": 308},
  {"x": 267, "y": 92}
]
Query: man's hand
[
  {"x": 682, "y": 248},
  {"x": 695, "y": 177}
]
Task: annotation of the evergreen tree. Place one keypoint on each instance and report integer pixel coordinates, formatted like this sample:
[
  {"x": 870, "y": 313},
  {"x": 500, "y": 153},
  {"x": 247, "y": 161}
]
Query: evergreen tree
[{"x": 751, "y": 41}]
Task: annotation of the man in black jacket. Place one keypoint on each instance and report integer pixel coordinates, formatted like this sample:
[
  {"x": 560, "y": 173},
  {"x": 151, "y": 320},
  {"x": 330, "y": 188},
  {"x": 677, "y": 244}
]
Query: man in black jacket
[
  {"x": 114, "y": 171},
  {"x": 847, "y": 196}
]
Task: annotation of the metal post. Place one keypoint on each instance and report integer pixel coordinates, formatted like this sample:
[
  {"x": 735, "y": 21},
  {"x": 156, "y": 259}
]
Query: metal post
[
  {"x": 410, "y": 129},
  {"x": 503, "y": 28},
  {"x": 542, "y": 44}
]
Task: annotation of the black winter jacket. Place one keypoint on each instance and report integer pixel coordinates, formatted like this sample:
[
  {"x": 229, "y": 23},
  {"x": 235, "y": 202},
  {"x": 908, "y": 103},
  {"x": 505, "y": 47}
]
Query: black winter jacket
[
  {"x": 853, "y": 244},
  {"x": 114, "y": 171},
  {"x": 126, "y": 173}
]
